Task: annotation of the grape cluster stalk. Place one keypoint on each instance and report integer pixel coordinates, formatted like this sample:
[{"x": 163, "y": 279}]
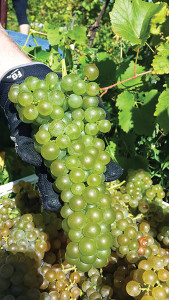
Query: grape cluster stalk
[{"x": 66, "y": 123}]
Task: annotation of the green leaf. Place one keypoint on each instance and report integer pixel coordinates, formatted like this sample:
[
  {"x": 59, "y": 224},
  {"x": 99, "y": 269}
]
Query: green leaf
[
  {"x": 131, "y": 20},
  {"x": 144, "y": 121},
  {"x": 162, "y": 110},
  {"x": 42, "y": 55},
  {"x": 129, "y": 72},
  {"x": 54, "y": 36},
  {"x": 125, "y": 103},
  {"x": 107, "y": 69},
  {"x": 78, "y": 34},
  {"x": 158, "y": 19},
  {"x": 161, "y": 60}
]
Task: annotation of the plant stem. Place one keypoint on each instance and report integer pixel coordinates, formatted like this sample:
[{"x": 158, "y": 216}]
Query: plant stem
[
  {"x": 135, "y": 64},
  {"x": 131, "y": 78},
  {"x": 93, "y": 28}
]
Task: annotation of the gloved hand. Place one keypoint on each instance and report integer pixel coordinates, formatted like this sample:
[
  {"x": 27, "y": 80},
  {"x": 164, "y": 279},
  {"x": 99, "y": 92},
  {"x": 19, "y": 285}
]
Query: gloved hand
[{"x": 21, "y": 132}]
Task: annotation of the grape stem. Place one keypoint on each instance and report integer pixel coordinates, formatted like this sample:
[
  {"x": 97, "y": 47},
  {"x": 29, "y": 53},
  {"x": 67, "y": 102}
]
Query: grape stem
[{"x": 105, "y": 89}]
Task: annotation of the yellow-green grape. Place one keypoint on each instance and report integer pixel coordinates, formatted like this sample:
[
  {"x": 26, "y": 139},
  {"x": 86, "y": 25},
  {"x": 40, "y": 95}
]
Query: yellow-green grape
[{"x": 133, "y": 288}]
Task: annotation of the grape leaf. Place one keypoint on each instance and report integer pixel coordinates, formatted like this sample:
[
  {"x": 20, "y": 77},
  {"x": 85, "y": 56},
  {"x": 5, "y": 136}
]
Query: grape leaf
[
  {"x": 129, "y": 72},
  {"x": 125, "y": 103},
  {"x": 144, "y": 122},
  {"x": 107, "y": 69},
  {"x": 161, "y": 60},
  {"x": 158, "y": 19},
  {"x": 78, "y": 34},
  {"x": 162, "y": 110},
  {"x": 54, "y": 36},
  {"x": 131, "y": 20}
]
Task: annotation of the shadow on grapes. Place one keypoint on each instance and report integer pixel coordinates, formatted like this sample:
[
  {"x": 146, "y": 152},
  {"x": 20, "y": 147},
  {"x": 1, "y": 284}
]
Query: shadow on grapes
[{"x": 19, "y": 277}]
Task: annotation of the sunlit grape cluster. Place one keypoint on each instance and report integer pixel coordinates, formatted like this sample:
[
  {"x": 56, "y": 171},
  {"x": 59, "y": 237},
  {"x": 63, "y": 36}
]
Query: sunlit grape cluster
[{"x": 66, "y": 120}]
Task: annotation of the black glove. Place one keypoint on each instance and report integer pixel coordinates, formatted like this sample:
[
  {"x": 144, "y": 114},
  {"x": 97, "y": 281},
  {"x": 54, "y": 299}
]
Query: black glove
[{"x": 20, "y": 133}]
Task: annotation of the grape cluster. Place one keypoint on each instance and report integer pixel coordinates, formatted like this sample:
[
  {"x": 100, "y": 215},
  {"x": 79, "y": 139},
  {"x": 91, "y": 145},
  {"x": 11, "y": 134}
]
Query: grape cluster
[
  {"x": 27, "y": 198},
  {"x": 67, "y": 119},
  {"x": 19, "y": 278}
]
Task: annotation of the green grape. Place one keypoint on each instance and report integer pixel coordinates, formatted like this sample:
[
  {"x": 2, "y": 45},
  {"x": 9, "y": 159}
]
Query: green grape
[
  {"x": 72, "y": 250},
  {"x": 94, "y": 180},
  {"x": 67, "y": 83},
  {"x": 123, "y": 240},
  {"x": 133, "y": 245},
  {"x": 42, "y": 120},
  {"x": 41, "y": 84},
  {"x": 90, "y": 259},
  {"x": 87, "y": 161},
  {"x": 92, "y": 89},
  {"x": 23, "y": 87},
  {"x": 99, "y": 144},
  {"x": 104, "y": 157},
  {"x": 87, "y": 246},
  {"x": 50, "y": 151},
  {"x": 30, "y": 112},
  {"x": 76, "y": 148},
  {"x": 104, "y": 241},
  {"x": 79, "y": 87},
  {"x": 83, "y": 267},
  {"x": 66, "y": 211},
  {"x": 87, "y": 140},
  {"x": 100, "y": 262},
  {"x": 77, "y": 203},
  {"x": 37, "y": 147},
  {"x": 58, "y": 168},
  {"x": 78, "y": 114},
  {"x": 63, "y": 141},
  {"x": 62, "y": 182},
  {"x": 158, "y": 293},
  {"x": 42, "y": 136},
  {"x": 163, "y": 275},
  {"x": 94, "y": 214},
  {"x": 75, "y": 101},
  {"x": 71, "y": 261},
  {"x": 109, "y": 215},
  {"x": 57, "y": 127},
  {"x": 91, "y": 230},
  {"x": 99, "y": 167},
  {"x": 56, "y": 97},
  {"x": 92, "y": 114},
  {"x": 57, "y": 113},
  {"x": 92, "y": 150},
  {"x": 91, "y": 194},
  {"x": 31, "y": 82},
  {"x": 102, "y": 254},
  {"x": 77, "y": 188},
  {"x": 73, "y": 131},
  {"x": 25, "y": 98},
  {"x": 104, "y": 126},
  {"x": 77, "y": 220},
  {"x": 77, "y": 175},
  {"x": 40, "y": 95},
  {"x": 13, "y": 93},
  {"x": 66, "y": 195},
  {"x": 91, "y": 71},
  {"x": 79, "y": 123},
  {"x": 45, "y": 108},
  {"x": 91, "y": 129},
  {"x": 133, "y": 288},
  {"x": 104, "y": 201},
  {"x": 102, "y": 113},
  {"x": 89, "y": 101},
  {"x": 147, "y": 297},
  {"x": 51, "y": 78},
  {"x": 72, "y": 162},
  {"x": 75, "y": 235}
]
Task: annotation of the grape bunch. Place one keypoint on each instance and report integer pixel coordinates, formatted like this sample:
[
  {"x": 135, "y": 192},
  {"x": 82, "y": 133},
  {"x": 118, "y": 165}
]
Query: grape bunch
[
  {"x": 19, "y": 278},
  {"x": 66, "y": 122}
]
